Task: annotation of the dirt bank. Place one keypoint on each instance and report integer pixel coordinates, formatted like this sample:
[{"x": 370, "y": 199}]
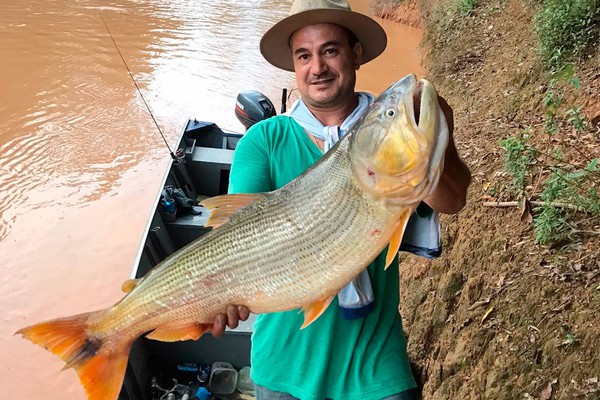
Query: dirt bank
[
  {"x": 403, "y": 12},
  {"x": 499, "y": 316}
]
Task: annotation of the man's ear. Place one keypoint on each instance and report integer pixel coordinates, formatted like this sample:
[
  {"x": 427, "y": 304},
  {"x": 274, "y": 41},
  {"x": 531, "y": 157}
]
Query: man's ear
[{"x": 357, "y": 55}]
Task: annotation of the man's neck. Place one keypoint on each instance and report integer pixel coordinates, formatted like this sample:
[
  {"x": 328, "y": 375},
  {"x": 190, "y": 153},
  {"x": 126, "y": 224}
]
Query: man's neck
[{"x": 334, "y": 115}]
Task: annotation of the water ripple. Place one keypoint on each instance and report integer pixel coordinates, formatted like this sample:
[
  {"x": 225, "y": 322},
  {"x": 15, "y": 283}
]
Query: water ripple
[{"x": 76, "y": 118}]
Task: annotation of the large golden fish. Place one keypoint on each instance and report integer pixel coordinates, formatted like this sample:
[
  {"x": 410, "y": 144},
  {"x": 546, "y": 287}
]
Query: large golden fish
[{"x": 294, "y": 247}]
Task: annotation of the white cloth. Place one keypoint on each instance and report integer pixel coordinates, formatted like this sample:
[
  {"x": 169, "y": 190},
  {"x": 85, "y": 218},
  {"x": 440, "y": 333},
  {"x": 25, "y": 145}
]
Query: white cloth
[{"x": 328, "y": 134}]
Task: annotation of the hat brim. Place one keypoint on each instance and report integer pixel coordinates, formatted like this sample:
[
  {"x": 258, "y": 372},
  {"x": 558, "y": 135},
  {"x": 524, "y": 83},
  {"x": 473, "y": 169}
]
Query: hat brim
[{"x": 274, "y": 44}]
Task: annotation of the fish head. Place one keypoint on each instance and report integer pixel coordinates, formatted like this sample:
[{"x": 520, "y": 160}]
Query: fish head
[{"x": 392, "y": 154}]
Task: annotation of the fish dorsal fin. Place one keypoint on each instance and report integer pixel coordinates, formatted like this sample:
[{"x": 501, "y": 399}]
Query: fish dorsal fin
[
  {"x": 129, "y": 285},
  {"x": 315, "y": 310},
  {"x": 223, "y": 207},
  {"x": 175, "y": 333},
  {"x": 396, "y": 238}
]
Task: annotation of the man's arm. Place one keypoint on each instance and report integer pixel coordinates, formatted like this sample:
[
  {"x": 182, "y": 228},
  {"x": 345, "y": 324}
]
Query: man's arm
[{"x": 450, "y": 195}]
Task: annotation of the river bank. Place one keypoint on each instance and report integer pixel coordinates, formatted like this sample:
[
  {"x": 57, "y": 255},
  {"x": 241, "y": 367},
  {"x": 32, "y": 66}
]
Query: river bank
[{"x": 499, "y": 315}]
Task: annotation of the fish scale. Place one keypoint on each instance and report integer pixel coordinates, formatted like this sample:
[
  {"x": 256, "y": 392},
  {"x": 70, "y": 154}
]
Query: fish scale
[
  {"x": 234, "y": 247},
  {"x": 249, "y": 258},
  {"x": 294, "y": 247}
]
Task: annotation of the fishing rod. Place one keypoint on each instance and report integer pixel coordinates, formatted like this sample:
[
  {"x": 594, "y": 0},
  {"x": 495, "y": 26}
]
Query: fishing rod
[{"x": 173, "y": 156}]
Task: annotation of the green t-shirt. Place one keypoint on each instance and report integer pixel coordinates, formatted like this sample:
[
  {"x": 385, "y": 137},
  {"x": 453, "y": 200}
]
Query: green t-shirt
[{"x": 333, "y": 358}]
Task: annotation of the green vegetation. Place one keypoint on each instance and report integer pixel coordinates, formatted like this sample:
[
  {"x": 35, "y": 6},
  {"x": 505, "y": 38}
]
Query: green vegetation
[
  {"x": 567, "y": 29},
  {"x": 548, "y": 164},
  {"x": 446, "y": 16},
  {"x": 551, "y": 222},
  {"x": 567, "y": 188},
  {"x": 554, "y": 99},
  {"x": 466, "y": 7},
  {"x": 517, "y": 159}
]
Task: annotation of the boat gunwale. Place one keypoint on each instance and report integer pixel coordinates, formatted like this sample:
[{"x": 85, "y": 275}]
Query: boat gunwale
[{"x": 144, "y": 237}]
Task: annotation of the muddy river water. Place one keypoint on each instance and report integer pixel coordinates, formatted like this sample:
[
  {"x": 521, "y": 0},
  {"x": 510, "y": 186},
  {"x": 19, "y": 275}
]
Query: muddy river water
[{"x": 80, "y": 158}]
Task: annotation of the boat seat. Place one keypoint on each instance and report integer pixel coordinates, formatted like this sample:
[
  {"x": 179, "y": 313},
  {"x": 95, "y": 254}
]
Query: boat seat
[
  {"x": 187, "y": 228},
  {"x": 211, "y": 168}
]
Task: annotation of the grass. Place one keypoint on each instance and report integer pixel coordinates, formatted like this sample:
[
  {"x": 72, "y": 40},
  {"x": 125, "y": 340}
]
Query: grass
[
  {"x": 518, "y": 156},
  {"x": 551, "y": 222},
  {"x": 564, "y": 183},
  {"x": 568, "y": 30},
  {"x": 466, "y": 7}
]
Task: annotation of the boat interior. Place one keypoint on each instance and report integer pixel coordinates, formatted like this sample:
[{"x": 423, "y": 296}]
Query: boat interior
[{"x": 200, "y": 169}]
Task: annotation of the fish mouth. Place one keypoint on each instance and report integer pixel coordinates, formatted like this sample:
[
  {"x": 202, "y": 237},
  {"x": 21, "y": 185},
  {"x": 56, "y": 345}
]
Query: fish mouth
[
  {"x": 397, "y": 156},
  {"x": 417, "y": 96}
]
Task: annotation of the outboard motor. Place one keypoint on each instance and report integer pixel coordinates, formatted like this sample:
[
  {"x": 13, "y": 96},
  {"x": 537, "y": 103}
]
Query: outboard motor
[{"x": 252, "y": 106}]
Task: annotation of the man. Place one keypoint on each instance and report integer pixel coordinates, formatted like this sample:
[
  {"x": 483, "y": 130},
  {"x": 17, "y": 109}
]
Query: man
[{"x": 361, "y": 356}]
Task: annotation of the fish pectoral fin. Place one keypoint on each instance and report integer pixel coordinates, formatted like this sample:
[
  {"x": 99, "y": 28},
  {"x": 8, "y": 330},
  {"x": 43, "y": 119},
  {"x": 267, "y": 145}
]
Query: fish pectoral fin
[
  {"x": 129, "y": 285},
  {"x": 175, "y": 333},
  {"x": 315, "y": 310},
  {"x": 223, "y": 207},
  {"x": 396, "y": 239}
]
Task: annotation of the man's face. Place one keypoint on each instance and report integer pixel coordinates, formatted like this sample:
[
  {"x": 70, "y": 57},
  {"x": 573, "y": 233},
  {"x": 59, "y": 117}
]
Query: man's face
[{"x": 325, "y": 65}]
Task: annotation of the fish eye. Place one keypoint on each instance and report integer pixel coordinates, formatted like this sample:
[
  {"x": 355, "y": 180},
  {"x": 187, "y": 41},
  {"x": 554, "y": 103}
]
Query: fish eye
[{"x": 390, "y": 112}]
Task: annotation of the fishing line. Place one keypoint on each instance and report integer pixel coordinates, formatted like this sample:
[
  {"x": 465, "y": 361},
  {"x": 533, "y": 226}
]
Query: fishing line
[{"x": 138, "y": 88}]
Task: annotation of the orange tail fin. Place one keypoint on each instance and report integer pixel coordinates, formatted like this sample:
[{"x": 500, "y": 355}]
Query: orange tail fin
[{"x": 101, "y": 370}]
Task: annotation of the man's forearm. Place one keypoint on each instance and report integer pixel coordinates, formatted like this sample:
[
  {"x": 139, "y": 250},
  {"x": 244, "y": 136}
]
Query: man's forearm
[{"x": 450, "y": 195}]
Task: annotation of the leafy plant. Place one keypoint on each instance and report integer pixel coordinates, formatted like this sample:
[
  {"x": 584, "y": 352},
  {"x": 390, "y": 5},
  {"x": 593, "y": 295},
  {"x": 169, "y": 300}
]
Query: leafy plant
[
  {"x": 466, "y": 7},
  {"x": 550, "y": 224},
  {"x": 568, "y": 188},
  {"x": 570, "y": 340},
  {"x": 575, "y": 118},
  {"x": 554, "y": 97},
  {"x": 551, "y": 102},
  {"x": 567, "y": 30},
  {"x": 519, "y": 155},
  {"x": 573, "y": 188}
]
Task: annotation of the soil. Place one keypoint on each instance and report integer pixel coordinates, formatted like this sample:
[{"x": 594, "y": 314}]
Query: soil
[{"x": 499, "y": 316}]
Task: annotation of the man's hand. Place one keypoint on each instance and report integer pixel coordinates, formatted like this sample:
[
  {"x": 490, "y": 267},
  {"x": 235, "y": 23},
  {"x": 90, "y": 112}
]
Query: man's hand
[
  {"x": 450, "y": 195},
  {"x": 232, "y": 318}
]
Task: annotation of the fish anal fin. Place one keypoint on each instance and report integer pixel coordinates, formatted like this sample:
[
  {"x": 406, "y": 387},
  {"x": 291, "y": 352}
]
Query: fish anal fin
[
  {"x": 396, "y": 239},
  {"x": 223, "y": 207},
  {"x": 175, "y": 333},
  {"x": 100, "y": 368},
  {"x": 315, "y": 310},
  {"x": 129, "y": 285}
]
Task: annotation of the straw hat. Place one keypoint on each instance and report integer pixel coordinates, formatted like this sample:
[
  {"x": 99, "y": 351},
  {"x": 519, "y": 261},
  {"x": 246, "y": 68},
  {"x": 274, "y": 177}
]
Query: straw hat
[{"x": 275, "y": 47}]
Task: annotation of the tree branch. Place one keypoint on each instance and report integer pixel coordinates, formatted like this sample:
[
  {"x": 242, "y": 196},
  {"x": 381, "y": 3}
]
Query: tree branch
[{"x": 535, "y": 203}]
